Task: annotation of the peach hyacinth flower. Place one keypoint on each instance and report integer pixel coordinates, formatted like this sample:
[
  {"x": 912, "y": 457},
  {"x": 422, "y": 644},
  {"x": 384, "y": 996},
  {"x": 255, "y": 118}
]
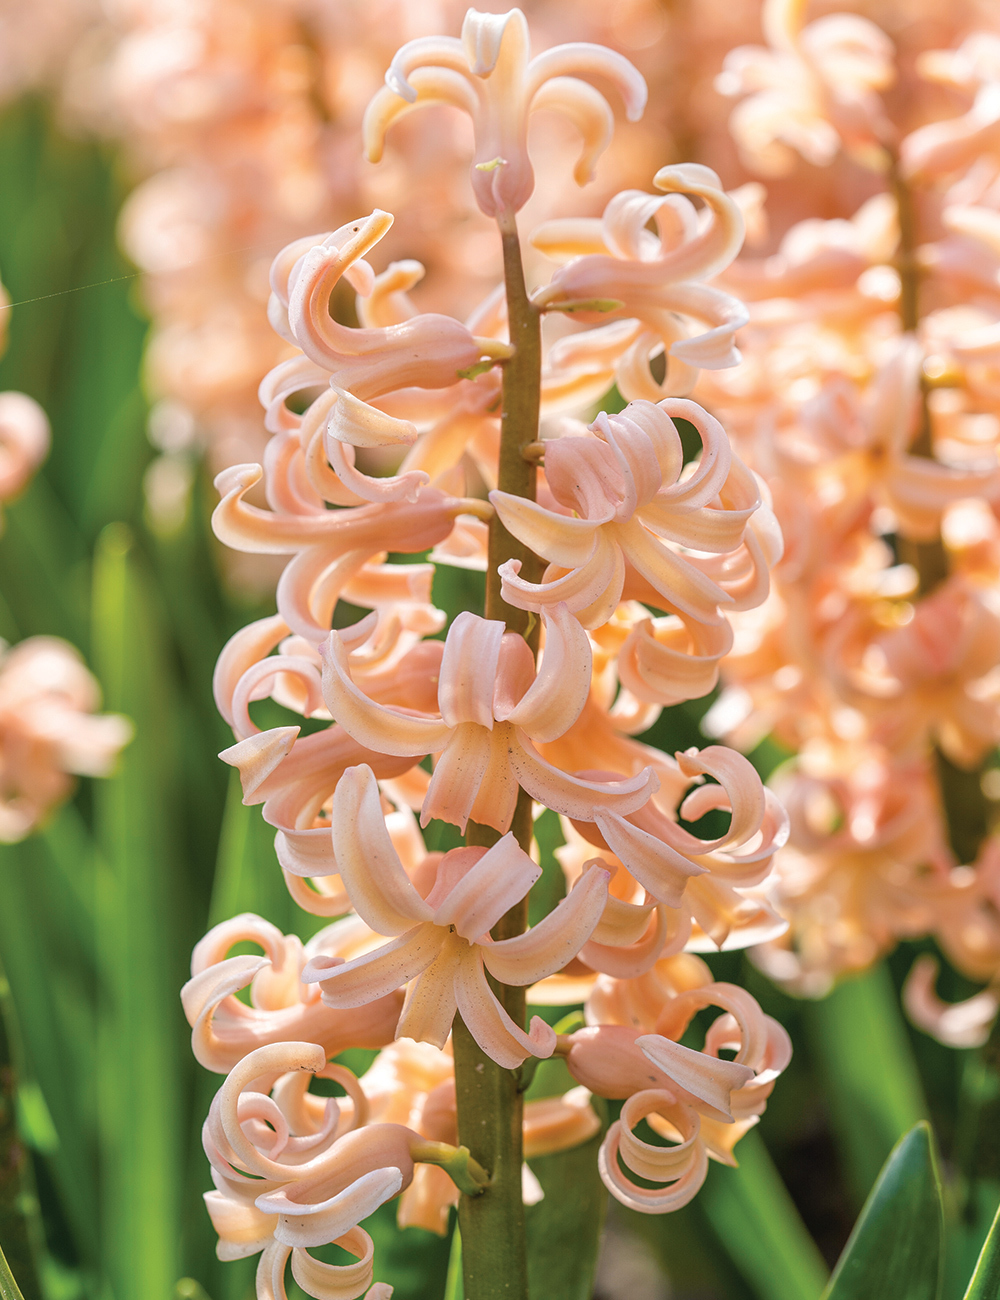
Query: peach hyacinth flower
[
  {"x": 290, "y": 1176},
  {"x": 50, "y": 731},
  {"x": 489, "y": 75},
  {"x": 24, "y": 442},
  {"x": 224, "y": 1029},
  {"x": 618, "y": 263},
  {"x": 493, "y": 705},
  {"x": 627, "y": 521},
  {"x": 811, "y": 90},
  {"x": 443, "y": 941}
]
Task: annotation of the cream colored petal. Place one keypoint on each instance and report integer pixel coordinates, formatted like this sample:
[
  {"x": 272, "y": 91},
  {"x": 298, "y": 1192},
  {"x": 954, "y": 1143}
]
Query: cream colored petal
[
  {"x": 382, "y": 729},
  {"x": 490, "y": 1025},
  {"x": 458, "y": 775},
  {"x": 580, "y": 59},
  {"x": 555, "y": 940},
  {"x": 571, "y": 795},
  {"x": 469, "y": 670},
  {"x": 592, "y": 592},
  {"x": 243, "y": 1230},
  {"x": 741, "y": 782},
  {"x": 559, "y": 539},
  {"x": 374, "y": 974},
  {"x": 304, "y": 1224},
  {"x": 676, "y": 579},
  {"x": 336, "y": 1281},
  {"x": 556, "y": 698},
  {"x": 628, "y": 963},
  {"x": 258, "y": 756},
  {"x": 248, "y": 645},
  {"x": 589, "y": 112},
  {"x": 363, "y": 425},
  {"x": 706, "y": 1077},
  {"x": 379, "y": 889},
  {"x": 498, "y": 790},
  {"x": 658, "y": 867},
  {"x": 501, "y": 878},
  {"x": 429, "y": 1008}
]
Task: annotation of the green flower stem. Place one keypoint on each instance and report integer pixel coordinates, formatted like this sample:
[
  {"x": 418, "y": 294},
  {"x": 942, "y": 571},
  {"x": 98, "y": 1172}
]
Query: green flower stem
[{"x": 490, "y": 1105}]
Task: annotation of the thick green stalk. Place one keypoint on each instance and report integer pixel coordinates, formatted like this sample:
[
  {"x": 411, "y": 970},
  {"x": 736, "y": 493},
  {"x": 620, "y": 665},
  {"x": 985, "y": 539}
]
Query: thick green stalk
[{"x": 490, "y": 1106}]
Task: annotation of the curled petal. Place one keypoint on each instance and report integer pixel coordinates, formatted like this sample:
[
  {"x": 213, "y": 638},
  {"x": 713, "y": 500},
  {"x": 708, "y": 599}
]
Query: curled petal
[
  {"x": 501, "y": 878},
  {"x": 706, "y": 1077},
  {"x": 573, "y": 796},
  {"x": 683, "y": 1166},
  {"x": 369, "y": 977},
  {"x": 489, "y": 1024},
  {"x": 555, "y": 940},
  {"x": 304, "y": 1224},
  {"x": 957, "y": 1024},
  {"x": 660, "y": 869},
  {"x": 556, "y": 698},
  {"x": 379, "y": 889},
  {"x": 469, "y": 670}
]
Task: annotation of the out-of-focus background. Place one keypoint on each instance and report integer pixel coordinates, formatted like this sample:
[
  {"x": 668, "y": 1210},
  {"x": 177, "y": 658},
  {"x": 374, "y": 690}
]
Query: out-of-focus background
[{"x": 154, "y": 156}]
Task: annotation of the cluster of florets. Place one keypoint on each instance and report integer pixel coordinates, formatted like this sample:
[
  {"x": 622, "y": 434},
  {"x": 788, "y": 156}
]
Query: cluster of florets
[{"x": 648, "y": 551}]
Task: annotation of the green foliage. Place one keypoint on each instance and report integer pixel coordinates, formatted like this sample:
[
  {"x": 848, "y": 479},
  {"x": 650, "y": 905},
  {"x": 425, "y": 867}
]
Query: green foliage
[
  {"x": 896, "y": 1246},
  {"x": 985, "y": 1281}
]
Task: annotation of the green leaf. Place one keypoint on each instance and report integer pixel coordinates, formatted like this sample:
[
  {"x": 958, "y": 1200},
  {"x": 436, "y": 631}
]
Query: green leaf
[
  {"x": 9, "y": 1289},
  {"x": 564, "y": 1228},
  {"x": 895, "y": 1249},
  {"x": 870, "y": 1078},
  {"x": 140, "y": 900},
  {"x": 756, "y": 1219},
  {"x": 985, "y": 1282}
]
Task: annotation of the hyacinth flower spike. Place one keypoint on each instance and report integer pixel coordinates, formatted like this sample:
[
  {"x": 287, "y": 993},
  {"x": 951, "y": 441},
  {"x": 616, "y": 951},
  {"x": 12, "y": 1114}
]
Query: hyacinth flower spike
[
  {"x": 493, "y": 705},
  {"x": 489, "y": 75},
  {"x": 442, "y": 942}
]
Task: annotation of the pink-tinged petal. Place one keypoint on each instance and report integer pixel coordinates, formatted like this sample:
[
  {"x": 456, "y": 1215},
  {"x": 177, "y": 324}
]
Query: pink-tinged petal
[
  {"x": 556, "y": 698},
  {"x": 560, "y": 539},
  {"x": 554, "y": 941},
  {"x": 458, "y": 776},
  {"x": 379, "y": 889},
  {"x": 239, "y": 653},
  {"x": 633, "y": 961},
  {"x": 720, "y": 240},
  {"x": 675, "y": 578},
  {"x": 741, "y": 782},
  {"x": 469, "y": 670},
  {"x": 429, "y": 1008},
  {"x": 592, "y": 592},
  {"x": 660, "y": 869},
  {"x": 956, "y": 1024},
  {"x": 416, "y": 527},
  {"x": 668, "y": 661},
  {"x": 580, "y": 58},
  {"x": 715, "y": 461},
  {"x": 684, "y": 1165},
  {"x": 566, "y": 238},
  {"x": 356, "y": 422},
  {"x": 385, "y": 730},
  {"x": 396, "y": 487},
  {"x": 589, "y": 112},
  {"x": 242, "y": 1229},
  {"x": 570, "y": 795},
  {"x": 706, "y": 1077},
  {"x": 258, "y": 756},
  {"x": 367, "y": 978},
  {"x": 334, "y": 1281},
  {"x": 501, "y": 878},
  {"x": 498, "y": 789},
  {"x": 489, "y": 1024},
  {"x": 306, "y": 853},
  {"x": 621, "y": 923},
  {"x": 515, "y": 675},
  {"x": 304, "y": 1224},
  {"x": 262, "y": 678}
]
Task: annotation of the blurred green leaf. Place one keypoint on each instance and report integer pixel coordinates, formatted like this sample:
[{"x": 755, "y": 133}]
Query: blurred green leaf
[
  {"x": 564, "y": 1228},
  {"x": 896, "y": 1246},
  {"x": 985, "y": 1281},
  {"x": 754, "y": 1216},
  {"x": 140, "y": 1077},
  {"x": 870, "y": 1078}
]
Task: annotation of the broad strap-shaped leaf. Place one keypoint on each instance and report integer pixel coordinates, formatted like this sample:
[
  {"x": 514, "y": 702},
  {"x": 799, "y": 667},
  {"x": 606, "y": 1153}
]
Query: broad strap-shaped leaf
[
  {"x": 985, "y": 1281},
  {"x": 755, "y": 1217},
  {"x": 896, "y": 1246},
  {"x": 564, "y": 1228}
]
